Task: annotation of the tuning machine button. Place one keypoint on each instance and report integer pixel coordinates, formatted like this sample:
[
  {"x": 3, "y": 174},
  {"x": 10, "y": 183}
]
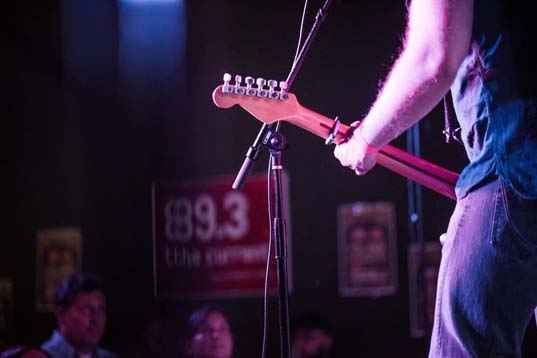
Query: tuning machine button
[
  {"x": 250, "y": 91},
  {"x": 238, "y": 88},
  {"x": 226, "y": 88},
  {"x": 261, "y": 82},
  {"x": 283, "y": 91},
  {"x": 272, "y": 93}
]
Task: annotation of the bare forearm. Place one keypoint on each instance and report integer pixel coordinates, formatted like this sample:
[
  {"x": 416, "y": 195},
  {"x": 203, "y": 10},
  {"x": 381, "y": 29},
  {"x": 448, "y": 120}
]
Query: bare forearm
[
  {"x": 438, "y": 38},
  {"x": 411, "y": 91}
]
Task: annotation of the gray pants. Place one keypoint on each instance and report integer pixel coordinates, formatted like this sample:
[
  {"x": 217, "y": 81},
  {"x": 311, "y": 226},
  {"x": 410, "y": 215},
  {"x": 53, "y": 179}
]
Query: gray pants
[{"x": 487, "y": 284}]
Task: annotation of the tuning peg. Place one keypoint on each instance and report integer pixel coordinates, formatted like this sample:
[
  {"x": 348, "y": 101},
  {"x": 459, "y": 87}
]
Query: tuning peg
[
  {"x": 272, "y": 84},
  {"x": 249, "y": 90},
  {"x": 283, "y": 90},
  {"x": 238, "y": 88},
  {"x": 260, "y": 84},
  {"x": 226, "y": 88}
]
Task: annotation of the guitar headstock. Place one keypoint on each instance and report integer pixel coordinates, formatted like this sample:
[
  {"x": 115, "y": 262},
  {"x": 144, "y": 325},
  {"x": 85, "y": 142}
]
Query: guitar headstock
[{"x": 268, "y": 101}]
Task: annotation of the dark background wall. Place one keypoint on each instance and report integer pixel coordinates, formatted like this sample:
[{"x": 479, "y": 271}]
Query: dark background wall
[{"x": 105, "y": 101}]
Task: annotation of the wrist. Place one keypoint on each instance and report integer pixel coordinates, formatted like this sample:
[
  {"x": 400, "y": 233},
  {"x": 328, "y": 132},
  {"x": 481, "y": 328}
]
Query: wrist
[{"x": 363, "y": 144}]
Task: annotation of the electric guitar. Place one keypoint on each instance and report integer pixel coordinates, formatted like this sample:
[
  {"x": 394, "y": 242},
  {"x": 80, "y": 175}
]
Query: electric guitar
[{"x": 271, "y": 106}]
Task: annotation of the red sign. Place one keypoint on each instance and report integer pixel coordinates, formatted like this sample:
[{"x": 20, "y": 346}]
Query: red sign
[{"x": 210, "y": 240}]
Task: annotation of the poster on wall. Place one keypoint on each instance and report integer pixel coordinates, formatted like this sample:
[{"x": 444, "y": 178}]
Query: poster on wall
[
  {"x": 58, "y": 254},
  {"x": 423, "y": 266},
  {"x": 210, "y": 241},
  {"x": 6, "y": 310},
  {"x": 367, "y": 252}
]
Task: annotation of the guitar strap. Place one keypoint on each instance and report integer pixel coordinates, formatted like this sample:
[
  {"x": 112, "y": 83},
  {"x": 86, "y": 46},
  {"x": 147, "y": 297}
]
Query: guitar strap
[{"x": 450, "y": 121}]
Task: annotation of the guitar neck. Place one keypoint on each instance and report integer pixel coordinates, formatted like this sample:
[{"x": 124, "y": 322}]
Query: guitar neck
[{"x": 414, "y": 168}]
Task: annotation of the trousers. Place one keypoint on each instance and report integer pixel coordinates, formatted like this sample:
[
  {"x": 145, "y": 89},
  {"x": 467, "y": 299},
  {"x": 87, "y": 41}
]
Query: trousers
[{"x": 487, "y": 282}]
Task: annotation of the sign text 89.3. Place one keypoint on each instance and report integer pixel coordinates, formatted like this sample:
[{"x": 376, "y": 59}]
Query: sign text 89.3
[{"x": 198, "y": 218}]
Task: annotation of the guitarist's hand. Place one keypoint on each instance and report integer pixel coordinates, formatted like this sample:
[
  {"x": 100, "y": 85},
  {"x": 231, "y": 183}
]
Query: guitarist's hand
[{"x": 355, "y": 153}]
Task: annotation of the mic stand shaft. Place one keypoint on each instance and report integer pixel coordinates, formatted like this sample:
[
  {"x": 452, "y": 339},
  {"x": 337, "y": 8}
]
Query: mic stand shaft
[
  {"x": 276, "y": 146},
  {"x": 319, "y": 19}
]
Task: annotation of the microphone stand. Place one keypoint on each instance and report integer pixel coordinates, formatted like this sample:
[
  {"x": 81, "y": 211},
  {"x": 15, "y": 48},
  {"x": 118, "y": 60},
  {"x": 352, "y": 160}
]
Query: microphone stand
[{"x": 276, "y": 143}]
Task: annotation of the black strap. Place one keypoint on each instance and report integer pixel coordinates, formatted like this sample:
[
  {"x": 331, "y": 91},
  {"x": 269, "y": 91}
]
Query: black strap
[{"x": 450, "y": 120}]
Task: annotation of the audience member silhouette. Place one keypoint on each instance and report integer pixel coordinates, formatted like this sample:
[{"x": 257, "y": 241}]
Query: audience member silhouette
[
  {"x": 311, "y": 336},
  {"x": 208, "y": 334},
  {"x": 81, "y": 315}
]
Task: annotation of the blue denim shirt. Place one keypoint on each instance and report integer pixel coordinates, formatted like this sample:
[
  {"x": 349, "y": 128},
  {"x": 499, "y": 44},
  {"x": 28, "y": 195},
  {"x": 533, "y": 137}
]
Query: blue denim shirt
[
  {"x": 58, "y": 347},
  {"x": 495, "y": 98}
]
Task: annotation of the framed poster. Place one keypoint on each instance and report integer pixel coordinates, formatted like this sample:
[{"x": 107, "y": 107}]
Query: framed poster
[
  {"x": 367, "y": 253},
  {"x": 210, "y": 241},
  {"x": 58, "y": 254},
  {"x": 423, "y": 266}
]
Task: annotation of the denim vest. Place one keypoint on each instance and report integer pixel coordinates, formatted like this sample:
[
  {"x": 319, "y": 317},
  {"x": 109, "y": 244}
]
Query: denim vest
[{"x": 495, "y": 98}]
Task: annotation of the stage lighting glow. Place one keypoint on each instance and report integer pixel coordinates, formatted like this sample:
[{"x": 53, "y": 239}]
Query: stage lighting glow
[{"x": 150, "y": 2}]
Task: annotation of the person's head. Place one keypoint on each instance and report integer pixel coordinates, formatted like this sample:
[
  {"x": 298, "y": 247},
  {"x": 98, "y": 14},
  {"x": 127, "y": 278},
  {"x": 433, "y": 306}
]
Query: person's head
[
  {"x": 81, "y": 311},
  {"x": 208, "y": 334},
  {"x": 311, "y": 336}
]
